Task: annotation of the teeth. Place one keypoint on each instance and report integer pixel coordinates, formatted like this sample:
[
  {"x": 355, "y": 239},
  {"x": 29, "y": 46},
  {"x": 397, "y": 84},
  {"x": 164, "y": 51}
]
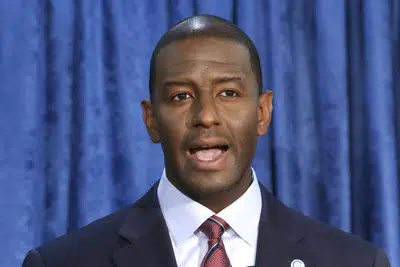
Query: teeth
[{"x": 221, "y": 147}]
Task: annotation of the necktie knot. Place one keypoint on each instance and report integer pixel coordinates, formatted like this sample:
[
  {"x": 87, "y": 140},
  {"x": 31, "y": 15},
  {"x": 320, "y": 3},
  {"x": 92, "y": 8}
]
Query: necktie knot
[{"x": 214, "y": 227}]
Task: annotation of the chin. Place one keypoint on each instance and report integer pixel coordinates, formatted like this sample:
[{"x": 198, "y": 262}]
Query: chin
[{"x": 206, "y": 186}]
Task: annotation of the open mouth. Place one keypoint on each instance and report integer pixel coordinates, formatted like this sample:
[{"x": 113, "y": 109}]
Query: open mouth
[{"x": 208, "y": 153}]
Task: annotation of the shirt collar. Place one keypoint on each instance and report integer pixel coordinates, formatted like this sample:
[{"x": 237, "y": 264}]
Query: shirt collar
[{"x": 184, "y": 216}]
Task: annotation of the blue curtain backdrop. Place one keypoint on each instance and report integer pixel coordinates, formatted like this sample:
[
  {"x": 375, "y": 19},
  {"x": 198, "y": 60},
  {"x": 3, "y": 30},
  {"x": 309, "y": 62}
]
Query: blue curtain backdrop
[{"x": 73, "y": 147}]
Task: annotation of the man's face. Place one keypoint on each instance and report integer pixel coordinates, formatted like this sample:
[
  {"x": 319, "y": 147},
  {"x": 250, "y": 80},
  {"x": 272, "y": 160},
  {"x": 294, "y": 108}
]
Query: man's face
[{"x": 207, "y": 113}]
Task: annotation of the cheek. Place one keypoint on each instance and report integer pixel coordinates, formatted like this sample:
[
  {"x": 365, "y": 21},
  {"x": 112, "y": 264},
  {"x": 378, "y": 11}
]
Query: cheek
[
  {"x": 243, "y": 128},
  {"x": 244, "y": 121},
  {"x": 171, "y": 131}
]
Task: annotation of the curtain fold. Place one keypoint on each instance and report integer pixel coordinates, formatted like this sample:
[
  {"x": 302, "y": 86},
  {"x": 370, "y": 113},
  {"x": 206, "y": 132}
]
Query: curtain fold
[{"x": 73, "y": 146}]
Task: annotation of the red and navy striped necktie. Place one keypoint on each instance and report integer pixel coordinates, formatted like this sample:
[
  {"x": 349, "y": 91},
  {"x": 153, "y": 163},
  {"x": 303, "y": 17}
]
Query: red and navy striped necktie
[{"x": 214, "y": 227}]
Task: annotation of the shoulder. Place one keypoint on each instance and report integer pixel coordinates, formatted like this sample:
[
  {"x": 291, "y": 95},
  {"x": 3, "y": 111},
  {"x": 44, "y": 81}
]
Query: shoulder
[
  {"x": 330, "y": 243},
  {"x": 95, "y": 241}
]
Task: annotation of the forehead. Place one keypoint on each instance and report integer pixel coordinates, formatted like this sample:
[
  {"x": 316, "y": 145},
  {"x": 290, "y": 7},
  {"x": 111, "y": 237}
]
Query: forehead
[{"x": 213, "y": 53}]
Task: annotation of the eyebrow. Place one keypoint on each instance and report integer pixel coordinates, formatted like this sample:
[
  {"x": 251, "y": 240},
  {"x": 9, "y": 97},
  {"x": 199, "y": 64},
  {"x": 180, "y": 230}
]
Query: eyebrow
[
  {"x": 177, "y": 83},
  {"x": 215, "y": 81},
  {"x": 219, "y": 80}
]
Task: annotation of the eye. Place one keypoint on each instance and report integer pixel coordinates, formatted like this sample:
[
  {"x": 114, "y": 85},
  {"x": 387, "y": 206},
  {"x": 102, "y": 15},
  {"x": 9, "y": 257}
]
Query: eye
[
  {"x": 229, "y": 93},
  {"x": 181, "y": 96}
]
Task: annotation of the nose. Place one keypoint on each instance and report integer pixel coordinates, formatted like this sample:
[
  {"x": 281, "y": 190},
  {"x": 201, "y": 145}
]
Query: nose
[{"x": 205, "y": 113}]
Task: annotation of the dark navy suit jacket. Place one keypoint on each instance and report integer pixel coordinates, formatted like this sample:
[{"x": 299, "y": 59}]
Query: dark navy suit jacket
[{"x": 137, "y": 236}]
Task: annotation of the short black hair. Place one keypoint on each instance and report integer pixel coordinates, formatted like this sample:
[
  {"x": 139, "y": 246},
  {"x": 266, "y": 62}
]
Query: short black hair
[{"x": 206, "y": 26}]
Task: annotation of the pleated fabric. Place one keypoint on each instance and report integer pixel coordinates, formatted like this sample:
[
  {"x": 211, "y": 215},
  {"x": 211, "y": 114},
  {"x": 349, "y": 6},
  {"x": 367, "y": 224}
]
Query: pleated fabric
[{"x": 73, "y": 146}]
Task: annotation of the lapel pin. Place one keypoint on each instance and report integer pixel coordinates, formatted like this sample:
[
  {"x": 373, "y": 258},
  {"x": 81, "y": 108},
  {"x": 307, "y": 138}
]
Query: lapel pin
[{"x": 297, "y": 263}]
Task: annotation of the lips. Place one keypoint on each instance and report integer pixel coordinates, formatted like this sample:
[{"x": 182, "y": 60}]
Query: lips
[{"x": 208, "y": 154}]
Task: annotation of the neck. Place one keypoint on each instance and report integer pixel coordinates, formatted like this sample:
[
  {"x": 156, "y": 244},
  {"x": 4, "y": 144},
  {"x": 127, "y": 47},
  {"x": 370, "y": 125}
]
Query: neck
[
  {"x": 222, "y": 201},
  {"x": 218, "y": 201}
]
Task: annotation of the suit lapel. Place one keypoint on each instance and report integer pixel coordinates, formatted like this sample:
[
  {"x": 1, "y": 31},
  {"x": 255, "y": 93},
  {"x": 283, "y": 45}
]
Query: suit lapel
[
  {"x": 144, "y": 231},
  {"x": 280, "y": 239},
  {"x": 146, "y": 236}
]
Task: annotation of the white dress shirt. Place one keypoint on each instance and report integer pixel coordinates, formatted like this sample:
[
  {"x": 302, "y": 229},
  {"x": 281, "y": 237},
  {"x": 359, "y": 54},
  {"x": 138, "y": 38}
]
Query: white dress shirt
[{"x": 184, "y": 216}]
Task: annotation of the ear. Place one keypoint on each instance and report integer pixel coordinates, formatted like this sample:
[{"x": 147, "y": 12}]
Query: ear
[
  {"x": 150, "y": 121},
  {"x": 264, "y": 112}
]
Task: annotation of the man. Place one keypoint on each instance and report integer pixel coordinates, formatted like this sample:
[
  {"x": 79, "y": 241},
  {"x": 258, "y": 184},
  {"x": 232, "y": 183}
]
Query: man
[{"x": 207, "y": 110}]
